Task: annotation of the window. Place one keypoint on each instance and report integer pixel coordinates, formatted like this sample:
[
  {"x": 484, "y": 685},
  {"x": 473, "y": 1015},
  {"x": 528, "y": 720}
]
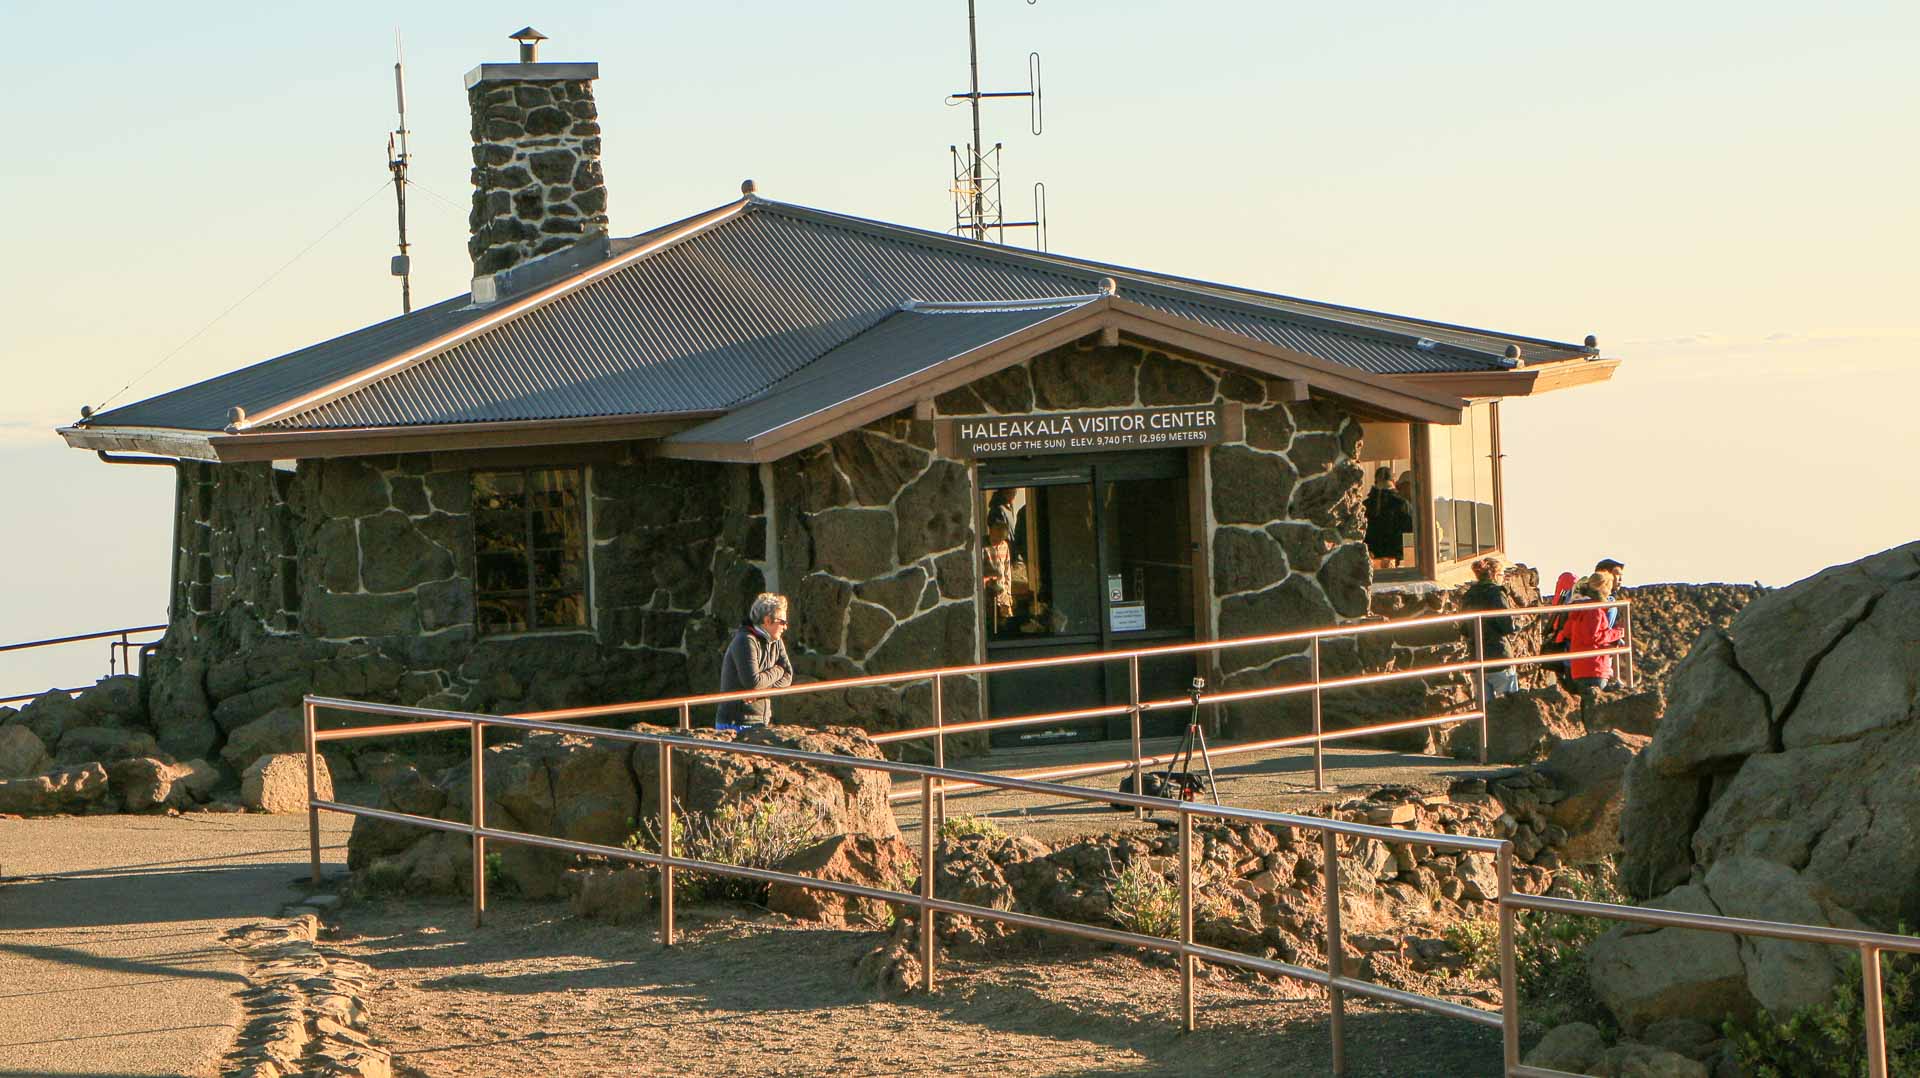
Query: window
[
  {"x": 1387, "y": 483},
  {"x": 530, "y": 549},
  {"x": 1465, "y": 485}
]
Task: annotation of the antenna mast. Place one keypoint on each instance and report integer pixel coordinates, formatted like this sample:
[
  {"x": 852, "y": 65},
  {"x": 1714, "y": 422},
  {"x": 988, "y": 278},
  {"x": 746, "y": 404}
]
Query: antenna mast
[
  {"x": 977, "y": 206},
  {"x": 402, "y": 266}
]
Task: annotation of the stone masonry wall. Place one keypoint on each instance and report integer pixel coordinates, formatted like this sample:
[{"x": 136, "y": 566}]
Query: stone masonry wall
[
  {"x": 1284, "y": 517},
  {"x": 377, "y": 553},
  {"x": 537, "y": 184},
  {"x": 876, "y": 550}
]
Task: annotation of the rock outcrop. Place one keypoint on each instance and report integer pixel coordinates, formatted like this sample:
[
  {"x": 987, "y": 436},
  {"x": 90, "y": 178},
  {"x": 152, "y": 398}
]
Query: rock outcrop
[
  {"x": 1779, "y": 784},
  {"x": 600, "y": 791}
]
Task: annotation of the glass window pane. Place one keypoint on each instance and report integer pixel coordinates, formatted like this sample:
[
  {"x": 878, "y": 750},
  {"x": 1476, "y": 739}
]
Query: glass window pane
[
  {"x": 559, "y": 609},
  {"x": 556, "y": 528},
  {"x": 499, "y": 614},
  {"x": 1038, "y": 565},
  {"x": 498, "y": 490},
  {"x": 500, "y": 572},
  {"x": 1440, "y": 466},
  {"x": 530, "y": 536},
  {"x": 1387, "y": 485},
  {"x": 557, "y": 569},
  {"x": 1486, "y": 525},
  {"x": 1149, "y": 551},
  {"x": 503, "y": 531}
]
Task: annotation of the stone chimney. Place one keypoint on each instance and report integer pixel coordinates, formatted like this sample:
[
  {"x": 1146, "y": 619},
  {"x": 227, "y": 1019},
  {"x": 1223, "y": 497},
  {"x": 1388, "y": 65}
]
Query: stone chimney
[{"x": 537, "y": 185}]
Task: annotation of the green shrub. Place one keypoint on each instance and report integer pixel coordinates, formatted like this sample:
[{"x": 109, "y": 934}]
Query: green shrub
[
  {"x": 1144, "y": 901},
  {"x": 498, "y": 882},
  {"x": 1549, "y": 956},
  {"x": 965, "y": 826},
  {"x": 1831, "y": 1037},
  {"x": 751, "y": 836}
]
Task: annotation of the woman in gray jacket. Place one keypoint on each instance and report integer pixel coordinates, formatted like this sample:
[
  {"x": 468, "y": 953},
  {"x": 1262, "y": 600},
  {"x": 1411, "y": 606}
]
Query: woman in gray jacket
[{"x": 756, "y": 659}]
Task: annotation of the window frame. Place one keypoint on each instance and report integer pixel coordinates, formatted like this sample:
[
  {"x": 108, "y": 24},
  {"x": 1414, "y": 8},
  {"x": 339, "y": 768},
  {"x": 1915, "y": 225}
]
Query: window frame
[
  {"x": 1431, "y": 567},
  {"x": 584, "y": 507}
]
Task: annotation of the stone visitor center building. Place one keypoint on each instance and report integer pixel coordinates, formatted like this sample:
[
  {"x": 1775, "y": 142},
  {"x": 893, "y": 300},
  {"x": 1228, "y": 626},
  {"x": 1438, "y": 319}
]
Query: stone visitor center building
[{"x": 565, "y": 486}]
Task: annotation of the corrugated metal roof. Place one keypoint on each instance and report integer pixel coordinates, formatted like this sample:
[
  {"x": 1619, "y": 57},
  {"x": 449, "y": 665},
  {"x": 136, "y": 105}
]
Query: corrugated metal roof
[
  {"x": 900, "y": 345},
  {"x": 725, "y": 314},
  {"x": 204, "y": 405}
]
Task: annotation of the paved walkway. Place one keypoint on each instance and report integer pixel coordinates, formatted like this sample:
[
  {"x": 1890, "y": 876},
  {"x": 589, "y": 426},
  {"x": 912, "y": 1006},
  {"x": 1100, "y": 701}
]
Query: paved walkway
[
  {"x": 110, "y": 962},
  {"x": 1281, "y": 780}
]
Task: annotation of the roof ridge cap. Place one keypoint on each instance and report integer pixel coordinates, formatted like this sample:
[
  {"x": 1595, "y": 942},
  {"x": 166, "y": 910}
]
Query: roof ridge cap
[{"x": 1061, "y": 265}]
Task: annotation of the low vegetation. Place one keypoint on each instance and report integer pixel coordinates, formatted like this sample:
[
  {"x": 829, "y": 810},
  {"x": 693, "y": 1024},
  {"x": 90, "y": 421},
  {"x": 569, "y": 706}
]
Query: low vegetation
[
  {"x": 967, "y": 826},
  {"x": 751, "y": 836},
  {"x": 1144, "y": 901},
  {"x": 1550, "y": 956},
  {"x": 1831, "y": 1037}
]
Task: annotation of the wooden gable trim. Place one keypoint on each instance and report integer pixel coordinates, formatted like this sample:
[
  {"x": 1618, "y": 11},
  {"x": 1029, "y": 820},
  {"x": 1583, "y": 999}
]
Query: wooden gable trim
[{"x": 1151, "y": 328}]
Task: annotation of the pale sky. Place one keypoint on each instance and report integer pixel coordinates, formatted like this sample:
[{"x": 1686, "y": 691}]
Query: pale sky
[{"x": 1722, "y": 192}]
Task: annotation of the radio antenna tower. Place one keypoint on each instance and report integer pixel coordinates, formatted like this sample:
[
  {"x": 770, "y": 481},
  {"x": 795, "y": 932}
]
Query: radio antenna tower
[
  {"x": 977, "y": 205},
  {"x": 401, "y": 266}
]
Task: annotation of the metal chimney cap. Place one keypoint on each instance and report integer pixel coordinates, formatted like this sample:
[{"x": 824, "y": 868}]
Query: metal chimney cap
[
  {"x": 749, "y": 188},
  {"x": 529, "y": 40},
  {"x": 1592, "y": 341},
  {"x": 1109, "y": 286}
]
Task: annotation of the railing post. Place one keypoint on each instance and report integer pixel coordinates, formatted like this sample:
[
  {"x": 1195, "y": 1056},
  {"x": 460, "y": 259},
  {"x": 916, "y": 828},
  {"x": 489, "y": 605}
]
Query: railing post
[
  {"x": 1336, "y": 998},
  {"x": 1480, "y": 679},
  {"x": 1319, "y": 749},
  {"x": 667, "y": 847},
  {"x": 1509, "y": 980},
  {"x": 313, "y": 814},
  {"x": 1133, "y": 720},
  {"x": 1626, "y": 615},
  {"x": 1875, "y": 1021},
  {"x": 940, "y": 745},
  {"x": 926, "y": 883},
  {"x": 477, "y": 750},
  {"x": 1186, "y": 917},
  {"x": 686, "y": 718}
]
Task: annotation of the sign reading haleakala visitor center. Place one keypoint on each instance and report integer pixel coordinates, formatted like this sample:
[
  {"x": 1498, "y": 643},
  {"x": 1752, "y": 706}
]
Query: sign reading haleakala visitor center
[{"x": 1090, "y": 432}]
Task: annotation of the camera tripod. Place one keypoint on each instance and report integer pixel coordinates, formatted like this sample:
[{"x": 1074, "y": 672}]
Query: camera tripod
[{"x": 1178, "y": 782}]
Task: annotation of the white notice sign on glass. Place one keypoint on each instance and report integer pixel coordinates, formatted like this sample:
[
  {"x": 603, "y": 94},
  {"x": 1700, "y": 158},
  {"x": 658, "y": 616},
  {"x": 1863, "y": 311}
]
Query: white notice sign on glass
[
  {"x": 1116, "y": 591},
  {"x": 1127, "y": 617}
]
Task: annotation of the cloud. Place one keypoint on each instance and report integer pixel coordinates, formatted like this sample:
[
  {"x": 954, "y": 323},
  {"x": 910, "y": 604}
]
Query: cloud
[{"x": 19, "y": 430}]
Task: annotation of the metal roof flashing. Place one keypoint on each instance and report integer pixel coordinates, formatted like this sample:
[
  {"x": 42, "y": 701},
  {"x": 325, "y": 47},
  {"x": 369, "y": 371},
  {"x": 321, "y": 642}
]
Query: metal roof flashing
[
  {"x": 489, "y": 289},
  {"x": 564, "y": 72}
]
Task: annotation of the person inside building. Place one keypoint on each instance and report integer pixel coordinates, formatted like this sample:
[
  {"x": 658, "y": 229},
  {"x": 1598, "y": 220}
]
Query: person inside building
[
  {"x": 997, "y": 581},
  {"x": 1389, "y": 519},
  {"x": 1488, "y": 592},
  {"x": 1587, "y": 630},
  {"x": 755, "y": 659}
]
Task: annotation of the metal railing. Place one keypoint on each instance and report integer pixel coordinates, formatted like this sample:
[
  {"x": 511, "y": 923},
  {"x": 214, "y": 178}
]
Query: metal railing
[
  {"x": 1869, "y": 944},
  {"x": 1334, "y": 979},
  {"x": 120, "y": 652},
  {"x": 1135, "y": 707},
  {"x": 932, "y": 778}
]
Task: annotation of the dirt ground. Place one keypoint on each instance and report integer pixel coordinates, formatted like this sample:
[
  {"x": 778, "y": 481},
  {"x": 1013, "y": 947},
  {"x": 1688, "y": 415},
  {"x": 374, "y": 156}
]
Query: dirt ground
[{"x": 538, "y": 991}]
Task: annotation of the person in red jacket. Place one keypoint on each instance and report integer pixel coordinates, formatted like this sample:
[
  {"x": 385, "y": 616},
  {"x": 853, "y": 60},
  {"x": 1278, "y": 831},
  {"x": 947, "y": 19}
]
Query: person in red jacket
[{"x": 1587, "y": 630}]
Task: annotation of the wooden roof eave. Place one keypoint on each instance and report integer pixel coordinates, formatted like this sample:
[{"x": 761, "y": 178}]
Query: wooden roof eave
[
  {"x": 1145, "y": 324},
  {"x": 1528, "y": 381}
]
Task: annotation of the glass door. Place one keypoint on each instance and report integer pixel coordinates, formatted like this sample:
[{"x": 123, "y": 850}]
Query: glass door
[{"x": 1080, "y": 555}]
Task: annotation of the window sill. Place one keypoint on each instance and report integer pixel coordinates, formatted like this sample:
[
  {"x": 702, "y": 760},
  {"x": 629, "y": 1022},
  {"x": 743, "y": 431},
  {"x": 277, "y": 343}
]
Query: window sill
[{"x": 584, "y": 630}]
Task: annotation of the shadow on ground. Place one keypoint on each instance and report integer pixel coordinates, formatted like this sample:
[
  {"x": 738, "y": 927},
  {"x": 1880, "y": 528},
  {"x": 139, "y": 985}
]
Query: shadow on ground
[{"x": 741, "y": 994}]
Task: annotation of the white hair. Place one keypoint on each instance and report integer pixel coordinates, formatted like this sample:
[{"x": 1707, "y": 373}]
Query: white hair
[{"x": 766, "y": 605}]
